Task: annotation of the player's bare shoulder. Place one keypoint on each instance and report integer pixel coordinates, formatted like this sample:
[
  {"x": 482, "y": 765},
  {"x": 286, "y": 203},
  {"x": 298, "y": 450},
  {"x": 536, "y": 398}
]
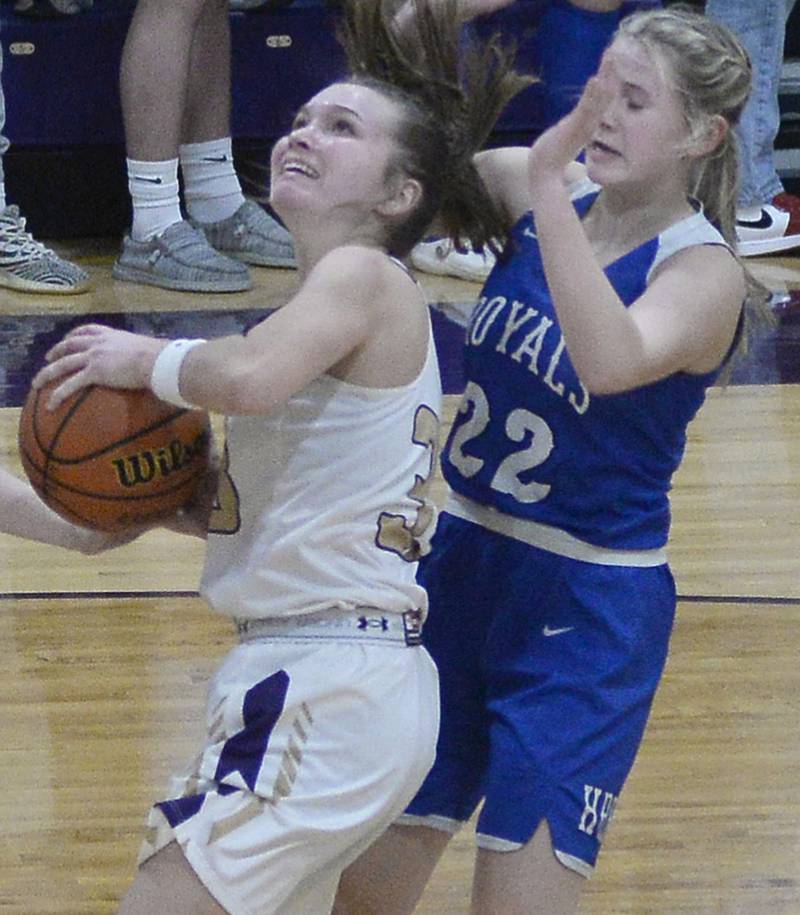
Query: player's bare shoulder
[
  {"x": 364, "y": 267},
  {"x": 367, "y": 278},
  {"x": 709, "y": 274},
  {"x": 391, "y": 304}
]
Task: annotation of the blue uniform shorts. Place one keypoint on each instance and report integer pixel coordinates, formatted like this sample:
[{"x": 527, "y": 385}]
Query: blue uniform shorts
[{"x": 548, "y": 666}]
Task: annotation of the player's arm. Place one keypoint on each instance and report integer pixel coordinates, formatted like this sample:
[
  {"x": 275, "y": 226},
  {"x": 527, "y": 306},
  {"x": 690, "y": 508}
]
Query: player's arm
[
  {"x": 23, "y": 514},
  {"x": 685, "y": 320},
  {"x": 332, "y": 315},
  {"x": 504, "y": 172}
]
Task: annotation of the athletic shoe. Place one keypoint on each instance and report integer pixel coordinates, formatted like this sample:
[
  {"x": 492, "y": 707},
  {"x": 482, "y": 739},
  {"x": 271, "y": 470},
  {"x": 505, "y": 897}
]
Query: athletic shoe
[
  {"x": 769, "y": 229},
  {"x": 28, "y": 266},
  {"x": 180, "y": 258},
  {"x": 251, "y": 235},
  {"x": 442, "y": 257}
]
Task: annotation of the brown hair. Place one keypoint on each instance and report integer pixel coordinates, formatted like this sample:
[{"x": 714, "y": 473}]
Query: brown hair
[{"x": 449, "y": 96}]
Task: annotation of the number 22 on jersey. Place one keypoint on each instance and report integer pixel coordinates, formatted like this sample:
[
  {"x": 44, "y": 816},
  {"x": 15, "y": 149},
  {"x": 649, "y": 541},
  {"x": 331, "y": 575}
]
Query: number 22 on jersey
[{"x": 521, "y": 425}]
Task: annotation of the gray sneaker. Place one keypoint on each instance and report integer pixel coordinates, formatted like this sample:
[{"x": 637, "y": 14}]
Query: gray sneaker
[
  {"x": 26, "y": 265},
  {"x": 251, "y": 235},
  {"x": 180, "y": 258}
]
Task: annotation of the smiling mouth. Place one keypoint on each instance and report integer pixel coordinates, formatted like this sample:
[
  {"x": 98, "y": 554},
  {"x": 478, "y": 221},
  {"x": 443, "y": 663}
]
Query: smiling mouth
[{"x": 295, "y": 167}]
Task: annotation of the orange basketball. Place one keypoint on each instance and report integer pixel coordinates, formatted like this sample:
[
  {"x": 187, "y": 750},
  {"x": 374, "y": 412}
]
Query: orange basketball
[{"x": 110, "y": 459}]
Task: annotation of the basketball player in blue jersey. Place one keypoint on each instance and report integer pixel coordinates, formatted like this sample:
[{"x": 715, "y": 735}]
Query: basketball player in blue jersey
[
  {"x": 322, "y": 722},
  {"x": 618, "y": 301}
]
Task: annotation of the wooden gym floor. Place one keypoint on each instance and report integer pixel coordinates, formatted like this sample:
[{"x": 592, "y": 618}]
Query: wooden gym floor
[{"x": 106, "y": 659}]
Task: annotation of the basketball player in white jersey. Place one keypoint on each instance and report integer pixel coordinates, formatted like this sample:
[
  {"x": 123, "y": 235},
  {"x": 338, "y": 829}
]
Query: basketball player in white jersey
[{"x": 322, "y": 722}]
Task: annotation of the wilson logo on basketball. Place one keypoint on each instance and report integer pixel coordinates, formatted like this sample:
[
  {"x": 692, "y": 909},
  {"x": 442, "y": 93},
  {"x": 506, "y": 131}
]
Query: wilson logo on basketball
[{"x": 146, "y": 466}]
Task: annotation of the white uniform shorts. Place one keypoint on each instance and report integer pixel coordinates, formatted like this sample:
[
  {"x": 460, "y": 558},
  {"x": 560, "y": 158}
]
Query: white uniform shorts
[{"x": 313, "y": 749}]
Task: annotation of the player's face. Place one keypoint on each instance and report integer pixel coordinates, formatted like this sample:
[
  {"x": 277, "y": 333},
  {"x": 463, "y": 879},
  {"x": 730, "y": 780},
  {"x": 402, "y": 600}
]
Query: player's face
[
  {"x": 643, "y": 133},
  {"x": 336, "y": 157}
]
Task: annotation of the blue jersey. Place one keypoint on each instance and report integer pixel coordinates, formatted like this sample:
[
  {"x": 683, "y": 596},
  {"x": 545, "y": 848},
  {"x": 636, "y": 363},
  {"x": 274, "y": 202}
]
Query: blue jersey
[{"x": 530, "y": 442}]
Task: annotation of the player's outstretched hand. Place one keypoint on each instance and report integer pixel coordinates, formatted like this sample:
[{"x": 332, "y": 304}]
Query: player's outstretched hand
[
  {"x": 94, "y": 354},
  {"x": 559, "y": 146}
]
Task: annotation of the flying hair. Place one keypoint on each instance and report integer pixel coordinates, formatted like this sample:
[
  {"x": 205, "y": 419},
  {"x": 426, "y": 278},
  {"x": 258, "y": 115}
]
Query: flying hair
[{"x": 451, "y": 94}]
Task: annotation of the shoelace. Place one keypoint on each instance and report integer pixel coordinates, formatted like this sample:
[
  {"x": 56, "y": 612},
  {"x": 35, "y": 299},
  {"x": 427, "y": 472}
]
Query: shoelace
[{"x": 16, "y": 244}]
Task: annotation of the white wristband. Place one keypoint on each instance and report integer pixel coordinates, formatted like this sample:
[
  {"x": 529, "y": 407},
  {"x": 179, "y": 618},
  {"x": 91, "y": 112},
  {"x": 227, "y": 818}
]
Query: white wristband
[{"x": 166, "y": 374}]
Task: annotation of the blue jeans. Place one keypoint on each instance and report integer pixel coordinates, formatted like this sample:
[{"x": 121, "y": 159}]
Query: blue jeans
[{"x": 761, "y": 27}]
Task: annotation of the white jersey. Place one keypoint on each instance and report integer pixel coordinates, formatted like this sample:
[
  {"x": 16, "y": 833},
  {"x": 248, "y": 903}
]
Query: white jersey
[{"x": 324, "y": 503}]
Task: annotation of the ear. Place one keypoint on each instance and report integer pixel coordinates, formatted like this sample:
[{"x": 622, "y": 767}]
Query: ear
[
  {"x": 715, "y": 132},
  {"x": 404, "y": 198}
]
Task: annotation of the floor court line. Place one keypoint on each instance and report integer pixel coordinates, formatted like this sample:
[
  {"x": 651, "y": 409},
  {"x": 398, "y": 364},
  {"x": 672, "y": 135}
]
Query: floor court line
[{"x": 155, "y": 595}]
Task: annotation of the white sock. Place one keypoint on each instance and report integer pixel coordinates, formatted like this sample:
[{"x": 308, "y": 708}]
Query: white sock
[
  {"x": 211, "y": 187},
  {"x": 155, "y": 196}
]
